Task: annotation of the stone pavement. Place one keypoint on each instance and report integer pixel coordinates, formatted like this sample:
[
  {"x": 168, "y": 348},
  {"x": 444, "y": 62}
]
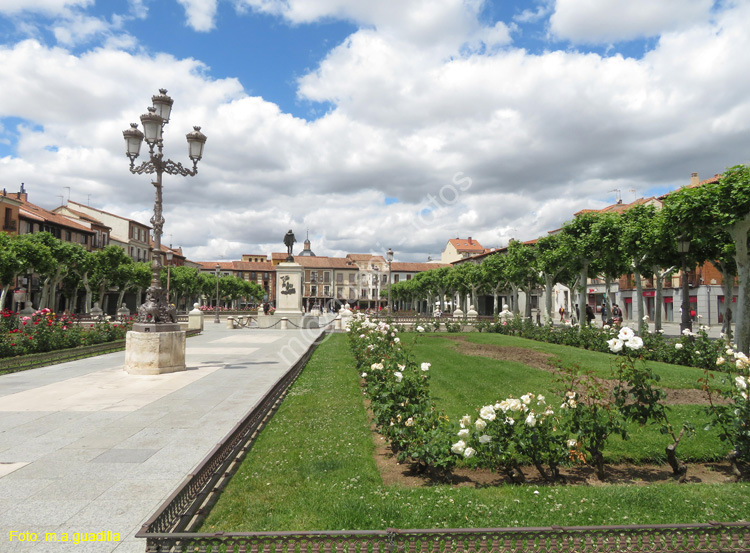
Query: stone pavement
[{"x": 87, "y": 448}]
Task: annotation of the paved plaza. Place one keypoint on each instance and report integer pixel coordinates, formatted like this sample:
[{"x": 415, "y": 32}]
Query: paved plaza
[{"x": 87, "y": 448}]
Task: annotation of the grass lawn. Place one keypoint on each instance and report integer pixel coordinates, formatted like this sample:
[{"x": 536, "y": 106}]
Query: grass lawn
[{"x": 312, "y": 467}]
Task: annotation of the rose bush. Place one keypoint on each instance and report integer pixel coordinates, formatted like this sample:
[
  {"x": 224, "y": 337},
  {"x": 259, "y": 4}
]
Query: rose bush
[{"x": 46, "y": 331}]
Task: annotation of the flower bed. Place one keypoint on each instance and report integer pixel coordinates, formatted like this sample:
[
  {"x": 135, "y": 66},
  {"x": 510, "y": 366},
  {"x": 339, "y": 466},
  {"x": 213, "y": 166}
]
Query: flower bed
[
  {"x": 533, "y": 430},
  {"x": 46, "y": 331}
]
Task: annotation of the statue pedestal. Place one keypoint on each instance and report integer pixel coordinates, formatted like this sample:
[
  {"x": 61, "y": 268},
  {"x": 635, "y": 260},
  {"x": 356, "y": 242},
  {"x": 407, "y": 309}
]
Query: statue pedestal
[
  {"x": 154, "y": 352},
  {"x": 289, "y": 290}
]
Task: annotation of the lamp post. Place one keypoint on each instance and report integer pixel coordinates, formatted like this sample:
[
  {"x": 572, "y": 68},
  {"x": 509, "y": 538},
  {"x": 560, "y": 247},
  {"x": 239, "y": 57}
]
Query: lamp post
[
  {"x": 170, "y": 255},
  {"x": 683, "y": 246},
  {"x": 389, "y": 258},
  {"x": 216, "y": 272},
  {"x": 155, "y": 314}
]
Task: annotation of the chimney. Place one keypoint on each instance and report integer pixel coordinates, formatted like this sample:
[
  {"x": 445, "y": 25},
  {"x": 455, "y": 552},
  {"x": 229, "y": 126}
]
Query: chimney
[
  {"x": 22, "y": 195},
  {"x": 694, "y": 179},
  {"x": 470, "y": 242}
]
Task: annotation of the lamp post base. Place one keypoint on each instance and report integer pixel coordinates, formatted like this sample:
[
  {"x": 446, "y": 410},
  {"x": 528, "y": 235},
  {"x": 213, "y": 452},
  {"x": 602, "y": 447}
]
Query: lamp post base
[{"x": 156, "y": 352}]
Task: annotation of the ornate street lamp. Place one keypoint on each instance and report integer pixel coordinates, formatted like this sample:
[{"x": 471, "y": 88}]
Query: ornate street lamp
[
  {"x": 683, "y": 246},
  {"x": 389, "y": 258},
  {"x": 156, "y": 314},
  {"x": 217, "y": 274},
  {"x": 170, "y": 255}
]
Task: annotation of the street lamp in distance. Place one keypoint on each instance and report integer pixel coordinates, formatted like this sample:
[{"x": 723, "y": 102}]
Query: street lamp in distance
[
  {"x": 389, "y": 258},
  {"x": 216, "y": 309},
  {"x": 683, "y": 246}
]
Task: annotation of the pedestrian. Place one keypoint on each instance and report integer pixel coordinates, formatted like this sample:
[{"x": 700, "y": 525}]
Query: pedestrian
[
  {"x": 562, "y": 314},
  {"x": 590, "y": 314},
  {"x": 616, "y": 314},
  {"x": 604, "y": 313}
]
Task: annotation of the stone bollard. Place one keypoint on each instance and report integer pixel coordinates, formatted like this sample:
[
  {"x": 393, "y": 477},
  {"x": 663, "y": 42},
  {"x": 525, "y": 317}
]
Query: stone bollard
[
  {"x": 230, "y": 322},
  {"x": 472, "y": 314},
  {"x": 284, "y": 323},
  {"x": 123, "y": 313},
  {"x": 195, "y": 318},
  {"x": 337, "y": 323},
  {"x": 96, "y": 311},
  {"x": 458, "y": 314}
]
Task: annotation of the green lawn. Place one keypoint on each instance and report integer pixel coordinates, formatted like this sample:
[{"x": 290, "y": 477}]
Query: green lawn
[{"x": 312, "y": 467}]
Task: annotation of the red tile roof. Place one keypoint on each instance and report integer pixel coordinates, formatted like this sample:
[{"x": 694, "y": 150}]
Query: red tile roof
[
  {"x": 32, "y": 211},
  {"x": 405, "y": 267},
  {"x": 466, "y": 245}
]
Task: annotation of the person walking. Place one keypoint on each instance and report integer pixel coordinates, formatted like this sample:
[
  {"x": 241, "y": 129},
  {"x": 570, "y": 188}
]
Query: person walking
[
  {"x": 590, "y": 314},
  {"x": 562, "y": 314}
]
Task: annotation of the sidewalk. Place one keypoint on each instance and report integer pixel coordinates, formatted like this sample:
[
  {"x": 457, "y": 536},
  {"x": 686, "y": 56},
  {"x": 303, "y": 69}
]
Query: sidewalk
[{"x": 87, "y": 448}]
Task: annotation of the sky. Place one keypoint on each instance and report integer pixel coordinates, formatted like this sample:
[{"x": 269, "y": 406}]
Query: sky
[{"x": 372, "y": 125}]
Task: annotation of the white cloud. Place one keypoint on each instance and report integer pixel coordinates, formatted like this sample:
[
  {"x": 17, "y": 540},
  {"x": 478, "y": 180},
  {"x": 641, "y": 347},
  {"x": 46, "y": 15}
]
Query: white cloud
[
  {"x": 48, "y": 7},
  {"x": 611, "y": 21},
  {"x": 201, "y": 14}
]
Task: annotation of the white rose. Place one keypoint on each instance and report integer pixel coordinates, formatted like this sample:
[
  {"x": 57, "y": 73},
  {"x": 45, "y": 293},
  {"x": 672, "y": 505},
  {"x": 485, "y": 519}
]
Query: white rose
[
  {"x": 526, "y": 399},
  {"x": 634, "y": 343},
  {"x": 531, "y": 420},
  {"x": 720, "y": 360},
  {"x": 741, "y": 382},
  {"x": 678, "y": 346},
  {"x": 510, "y": 421},
  {"x": 572, "y": 443},
  {"x": 398, "y": 376},
  {"x": 626, "y": 333},
  {"x": 463, "y": 433},
  {"x": 425, "y": 366},
  {"x": 487, "y": 413},
  {"x": 396, "y": 340},
  {"x": 469, "y": 453},
  {"x": 615, "y": 345},
  {"x": 480, "y": 425},
  {"x": 540, "y": 400},
  {"x": 458, "y": 447},
  {"x": 409, "y": 422},
  {"x": 364, "y": 375},
  {"x": 485, "y": 439},
  {"x": 465, "y": 421}
]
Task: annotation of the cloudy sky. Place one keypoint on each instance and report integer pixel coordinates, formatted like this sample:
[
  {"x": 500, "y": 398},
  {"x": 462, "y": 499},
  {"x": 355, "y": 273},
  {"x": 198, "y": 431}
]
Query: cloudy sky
[{"x": 373, "y": 124}]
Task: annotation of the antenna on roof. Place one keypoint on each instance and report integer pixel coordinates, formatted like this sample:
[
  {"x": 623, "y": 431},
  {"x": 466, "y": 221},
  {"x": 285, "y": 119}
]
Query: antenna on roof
[
  {"x": 617, "y": 195},
  {"x": 634, "y": 194},
  {"x": 62, "y": 199},
  {"x": 68, "y": 189}
]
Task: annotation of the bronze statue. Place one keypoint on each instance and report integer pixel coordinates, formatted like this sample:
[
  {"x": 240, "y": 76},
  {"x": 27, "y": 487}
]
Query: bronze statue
[{"x": 289, "y": 241}]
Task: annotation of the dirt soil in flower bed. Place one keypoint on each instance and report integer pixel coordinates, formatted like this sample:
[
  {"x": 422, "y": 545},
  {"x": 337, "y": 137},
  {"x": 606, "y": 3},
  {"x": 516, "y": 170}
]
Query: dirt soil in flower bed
[
  {"x": 547, "y": 362},
  {"x": 402, "y": 474},
  {"x": 394, "y": 473}
]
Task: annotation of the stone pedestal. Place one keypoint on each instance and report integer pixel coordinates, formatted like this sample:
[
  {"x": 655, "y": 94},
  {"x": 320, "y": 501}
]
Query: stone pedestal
[
  {"x": 289, "y": 290},
  {"x": 458, "y": 315},
  {"x": 472, "y": 314},
  {"x": 153, "y": 352},
  {"x": 195, "y": 318}
]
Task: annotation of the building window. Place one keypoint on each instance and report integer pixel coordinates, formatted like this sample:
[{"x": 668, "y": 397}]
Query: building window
[
  {"x": 313, "y": 290},
  {"x": 326, "y": 291},
  {"x": 313, "y": 276},
  {"x": 68, "y": 236},
  {"x": 340, "y": 278},
  {"x": 253, "y": 276},
  {"x": 352, "y": 278},
  {"x": 84, "y": 239},
  {"x": 364, "y": 292},
  {"x": 408, "y": 277},
  {"x": 395, "y": 278},
  {"x": 327, "y": 276}
]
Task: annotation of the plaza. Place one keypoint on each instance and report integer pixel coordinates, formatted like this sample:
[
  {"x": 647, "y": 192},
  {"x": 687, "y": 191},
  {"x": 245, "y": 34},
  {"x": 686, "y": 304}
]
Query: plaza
[{"x": 87, "y": 448}]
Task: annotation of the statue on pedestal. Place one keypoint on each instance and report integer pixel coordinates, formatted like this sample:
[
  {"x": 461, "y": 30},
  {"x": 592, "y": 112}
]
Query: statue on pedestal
[{"x": 289, "y": 241}]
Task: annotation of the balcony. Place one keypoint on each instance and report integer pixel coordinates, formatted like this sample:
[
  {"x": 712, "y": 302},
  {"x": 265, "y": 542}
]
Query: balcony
[{"x": 10, "y": 225}]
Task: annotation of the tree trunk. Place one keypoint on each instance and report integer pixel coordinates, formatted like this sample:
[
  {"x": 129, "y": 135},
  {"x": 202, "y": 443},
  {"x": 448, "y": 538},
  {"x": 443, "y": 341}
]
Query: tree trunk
[
  {"x": 89, "y": 294},
  {"x": 639, "y": 313},
  {"x": 727, "y": 286},
  {"x": 548, "y": 284},
  {"x": 3, "y": 296},
  {"x": 584, "y": 278},
  {"x": 739, "y": 232}
]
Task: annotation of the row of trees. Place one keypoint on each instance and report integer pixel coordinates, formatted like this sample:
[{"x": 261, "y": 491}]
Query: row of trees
[
  {"x": 641, "y": 241},
  {"x": 65, "y": 268}
]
